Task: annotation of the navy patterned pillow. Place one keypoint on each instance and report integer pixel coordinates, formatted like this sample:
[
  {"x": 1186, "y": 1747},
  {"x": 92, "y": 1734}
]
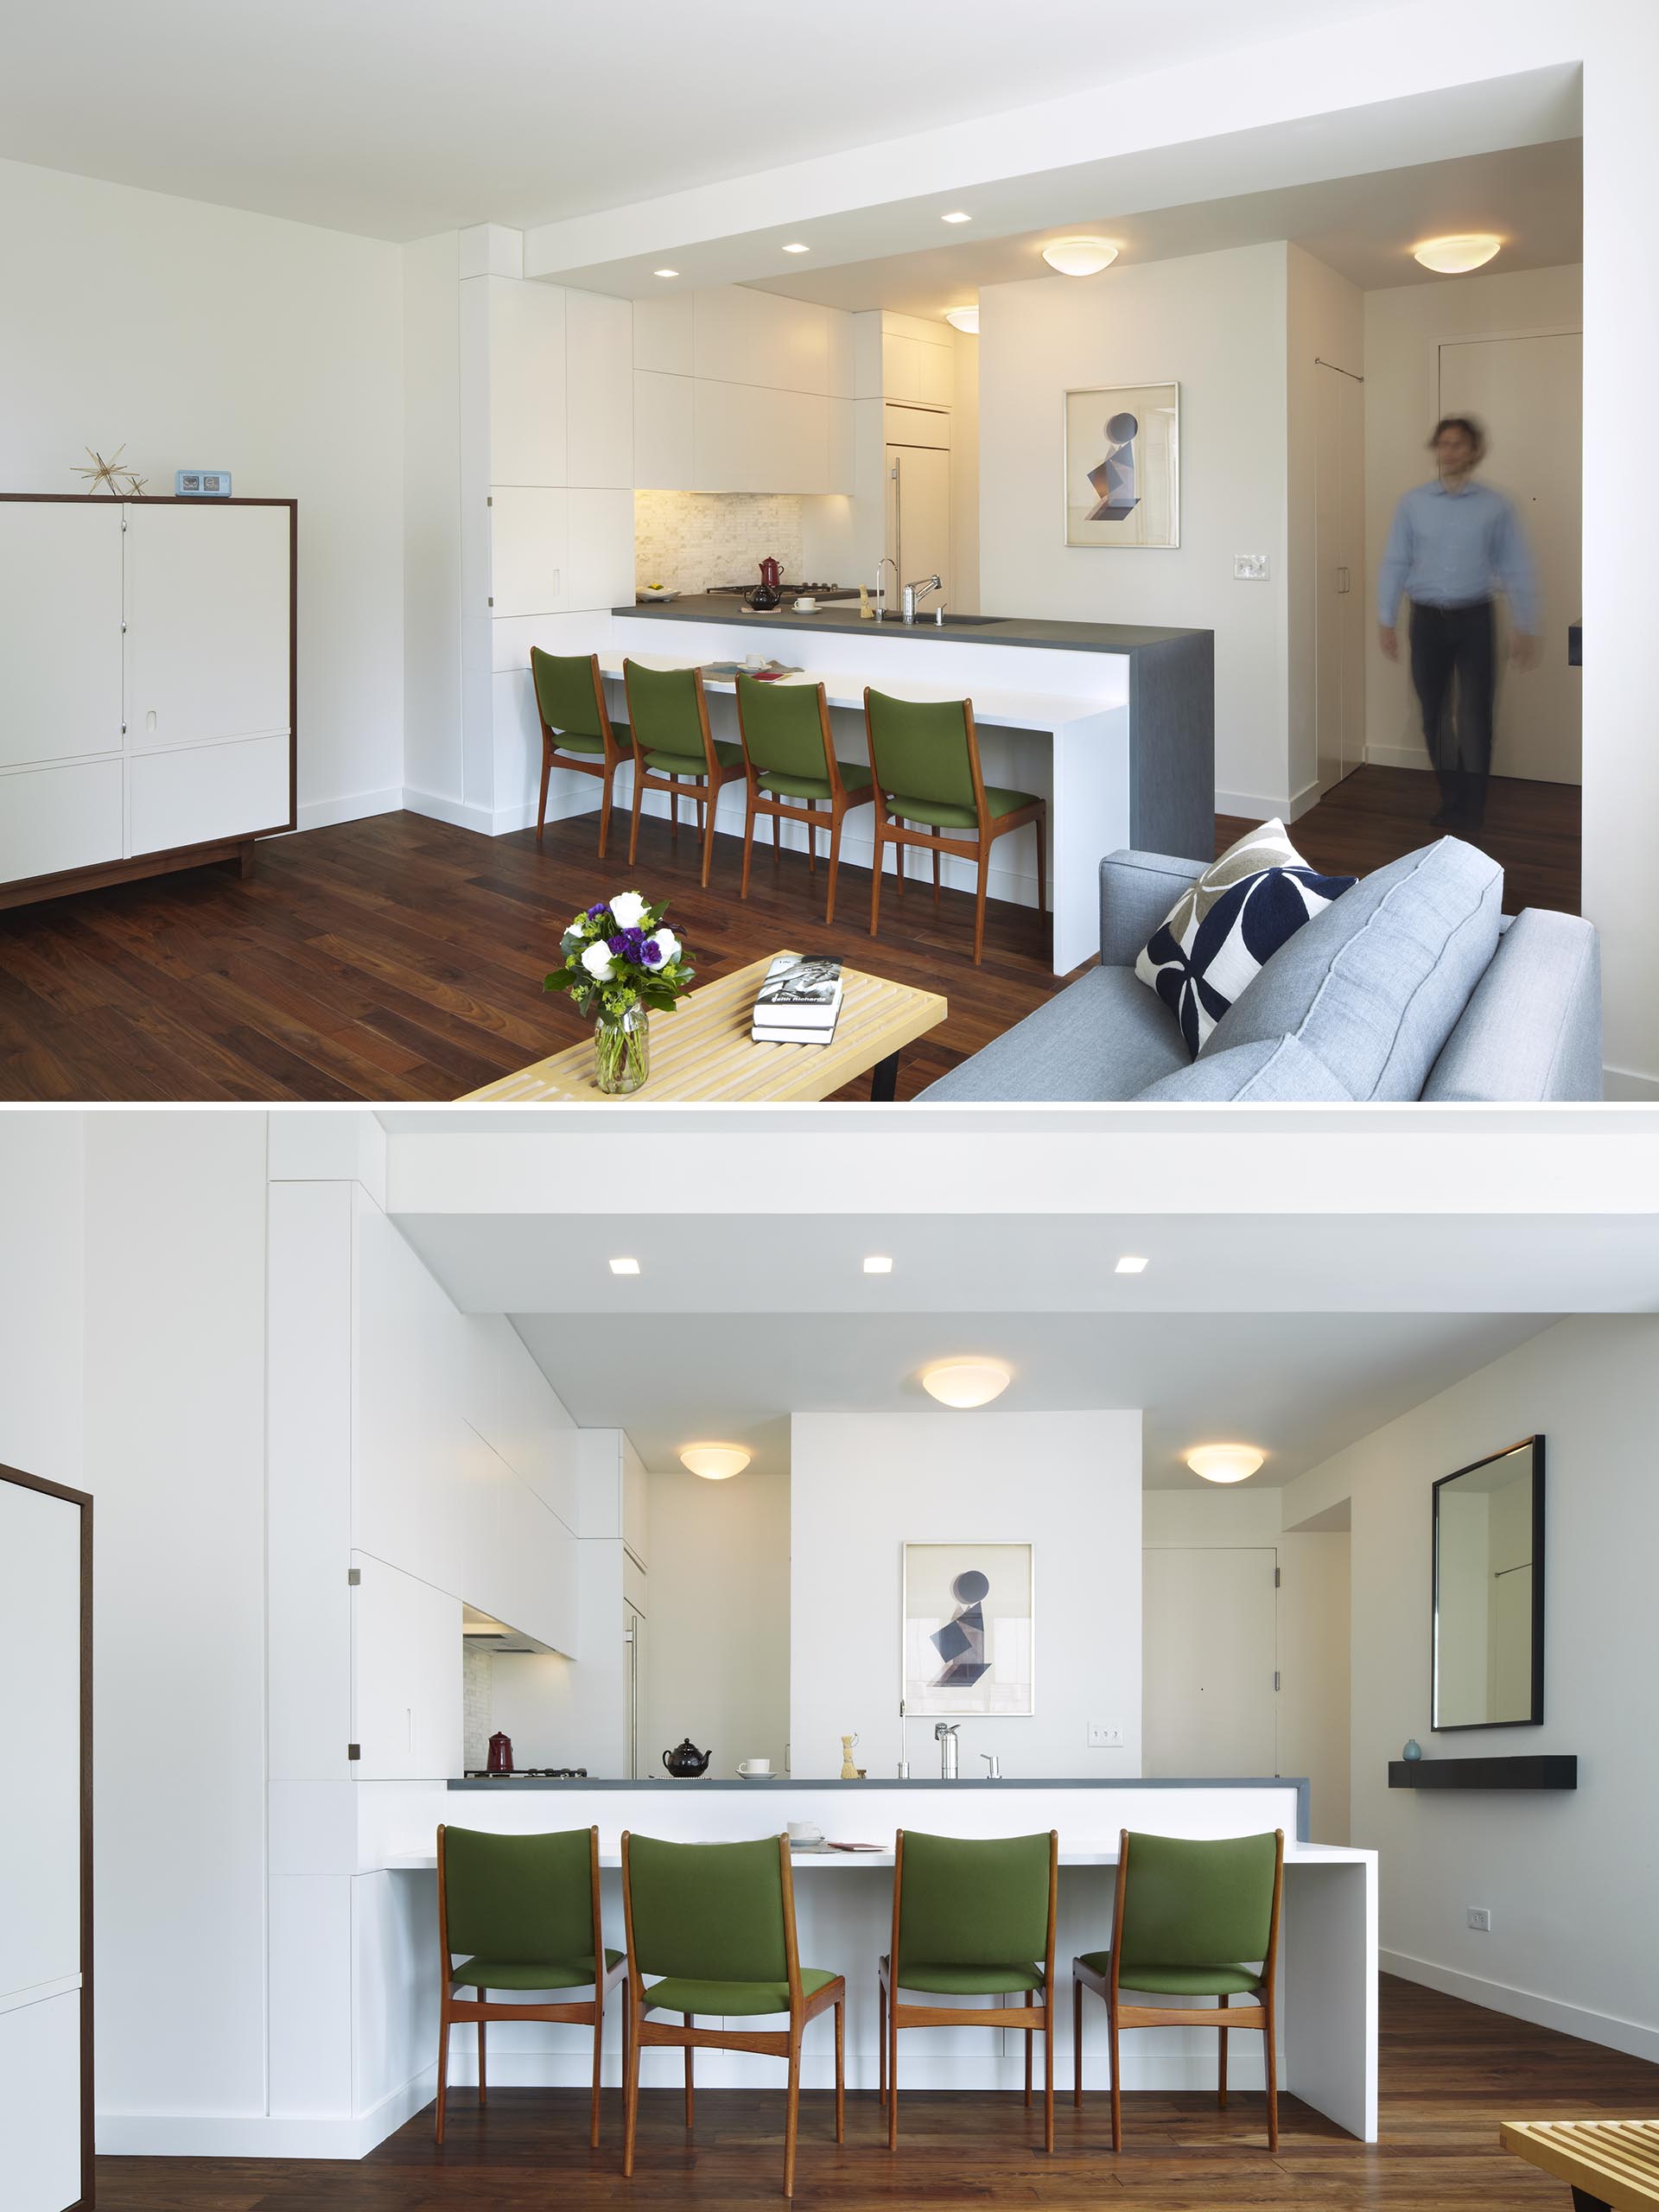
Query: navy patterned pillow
[{"x": 1222, "y": 929}]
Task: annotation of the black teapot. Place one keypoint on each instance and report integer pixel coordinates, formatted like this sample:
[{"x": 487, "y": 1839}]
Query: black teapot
[{"x": 685, "y": 1762}]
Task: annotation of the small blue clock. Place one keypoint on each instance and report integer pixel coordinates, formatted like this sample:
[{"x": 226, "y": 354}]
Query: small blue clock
[{"x": 202, "y": 483}]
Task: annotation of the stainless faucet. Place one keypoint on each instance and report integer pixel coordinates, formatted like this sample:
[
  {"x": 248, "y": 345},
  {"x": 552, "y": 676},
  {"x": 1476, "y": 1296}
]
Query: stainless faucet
[
  {"x": 885, "y": 562},
  {"x": 946, "y": 1733},
  {"x": 993, "y": 1766},
  {"x": 916, "y": 593}
]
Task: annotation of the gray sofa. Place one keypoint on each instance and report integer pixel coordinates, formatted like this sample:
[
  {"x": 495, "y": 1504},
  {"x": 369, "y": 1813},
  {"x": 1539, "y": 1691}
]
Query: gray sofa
[{"x": 1411, "y": 985}]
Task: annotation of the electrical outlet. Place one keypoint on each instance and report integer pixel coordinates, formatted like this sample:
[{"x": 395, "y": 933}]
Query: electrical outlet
[
  {"x": 1105, "y": 1735},
  {"x": 1480, "y": 1919},
  {"x": 1249, "y": 567}
]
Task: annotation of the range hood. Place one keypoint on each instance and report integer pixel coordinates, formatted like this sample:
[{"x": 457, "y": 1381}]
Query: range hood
[{"x": 482, "y": 1632}]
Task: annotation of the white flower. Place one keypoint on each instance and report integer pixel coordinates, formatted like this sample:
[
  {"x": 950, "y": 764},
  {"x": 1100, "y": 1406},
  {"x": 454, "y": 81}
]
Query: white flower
[
  {"x": 629, "y": 909},
  {"x": 597, "y": 961},
  {"x": 667, "y": 944}
]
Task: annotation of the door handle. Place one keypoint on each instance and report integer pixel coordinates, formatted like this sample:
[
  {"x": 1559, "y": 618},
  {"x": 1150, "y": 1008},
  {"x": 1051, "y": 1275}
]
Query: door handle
[
  {"x": 897, "y": 514},
  {"x": 1342, "y": 579}
]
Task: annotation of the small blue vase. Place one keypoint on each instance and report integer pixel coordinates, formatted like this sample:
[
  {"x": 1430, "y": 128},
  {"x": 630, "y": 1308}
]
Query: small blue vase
[{"x": 1414, "y": 1749}]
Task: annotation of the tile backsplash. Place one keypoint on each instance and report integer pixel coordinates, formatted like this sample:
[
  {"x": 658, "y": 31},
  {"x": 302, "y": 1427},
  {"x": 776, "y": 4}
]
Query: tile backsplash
[
  {"x": 690, "y": 540},
  {"x": 478, "y": 1697}
]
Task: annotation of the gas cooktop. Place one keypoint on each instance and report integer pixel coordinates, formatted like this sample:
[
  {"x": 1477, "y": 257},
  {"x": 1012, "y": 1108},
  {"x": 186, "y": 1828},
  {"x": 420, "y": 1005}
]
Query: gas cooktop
[{"x": 527, "y": 1774}]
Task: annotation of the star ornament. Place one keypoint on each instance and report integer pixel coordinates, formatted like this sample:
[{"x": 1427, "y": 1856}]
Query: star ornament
[{"x": 120, "y": 482}]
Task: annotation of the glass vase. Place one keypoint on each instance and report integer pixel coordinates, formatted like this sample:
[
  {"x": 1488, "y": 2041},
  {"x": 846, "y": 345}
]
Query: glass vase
[{"x": 621, "y": 1052}]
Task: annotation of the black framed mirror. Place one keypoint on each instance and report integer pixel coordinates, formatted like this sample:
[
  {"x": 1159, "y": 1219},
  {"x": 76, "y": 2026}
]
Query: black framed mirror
[{"x": 1488, "y": 1655}]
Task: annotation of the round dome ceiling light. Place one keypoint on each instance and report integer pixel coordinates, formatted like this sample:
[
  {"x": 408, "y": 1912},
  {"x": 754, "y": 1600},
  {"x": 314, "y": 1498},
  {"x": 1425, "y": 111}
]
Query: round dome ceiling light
[
  {"x": 1080, "y": 256},
  {"x": 1225, "y": 1463},
  {"x": 963, "y": 318},
  {"x": 715, "y": 1463},
  {"x": 1456, "y": 257},
  {"x": 964, "y": 1383}
]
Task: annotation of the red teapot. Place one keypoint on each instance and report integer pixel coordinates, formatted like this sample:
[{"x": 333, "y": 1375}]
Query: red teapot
[{"x": 501, "y": 1757}]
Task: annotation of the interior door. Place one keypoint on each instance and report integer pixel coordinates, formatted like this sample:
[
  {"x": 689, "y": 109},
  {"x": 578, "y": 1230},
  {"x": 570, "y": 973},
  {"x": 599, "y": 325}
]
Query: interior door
[
  {"x": 1340, "y": 593},
  {"x": 1210, "y": 1638},
  {"x": 1528, "y": 393},
  {"x": 919, "y": 515}
]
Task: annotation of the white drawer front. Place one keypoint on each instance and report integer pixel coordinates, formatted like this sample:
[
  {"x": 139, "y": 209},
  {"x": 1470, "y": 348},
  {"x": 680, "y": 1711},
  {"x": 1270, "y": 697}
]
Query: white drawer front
[
  {"x": 56, "y": 818},
  {"x": 206, "y": 792}
]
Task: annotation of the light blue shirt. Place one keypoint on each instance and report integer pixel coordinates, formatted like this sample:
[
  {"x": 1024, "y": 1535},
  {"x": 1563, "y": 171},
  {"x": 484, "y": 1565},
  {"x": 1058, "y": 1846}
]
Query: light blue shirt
[{"x": 1449, "y": 549}]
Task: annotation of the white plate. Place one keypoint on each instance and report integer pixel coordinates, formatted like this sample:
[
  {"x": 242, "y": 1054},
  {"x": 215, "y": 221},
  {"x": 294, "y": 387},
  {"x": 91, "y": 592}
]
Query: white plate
[{"x": 754, "y": 1777}]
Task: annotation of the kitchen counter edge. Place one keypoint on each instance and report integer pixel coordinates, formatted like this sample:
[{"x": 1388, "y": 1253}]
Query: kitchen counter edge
[{"x": 843, "y": 619}]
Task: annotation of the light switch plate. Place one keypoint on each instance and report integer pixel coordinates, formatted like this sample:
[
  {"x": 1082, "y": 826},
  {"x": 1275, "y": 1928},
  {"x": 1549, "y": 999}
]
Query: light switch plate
[
  {"x": 1105, "y": 1735},
  {"x": 1480, "y": 1919},
  {"x": 1250, "y": 568}
]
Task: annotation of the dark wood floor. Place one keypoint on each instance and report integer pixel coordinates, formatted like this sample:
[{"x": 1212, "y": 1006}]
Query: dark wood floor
[
  {"x": 1450, "y": 2073},
  {"x": 398, "y": 958}
]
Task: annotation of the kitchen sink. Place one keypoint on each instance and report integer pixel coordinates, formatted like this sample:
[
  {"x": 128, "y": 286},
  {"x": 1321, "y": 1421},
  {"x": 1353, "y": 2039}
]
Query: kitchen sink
[{"x": 961, "y": 621}]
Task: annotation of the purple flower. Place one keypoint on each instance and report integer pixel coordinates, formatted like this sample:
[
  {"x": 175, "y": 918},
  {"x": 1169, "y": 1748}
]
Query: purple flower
[
  {"x": 598, "y": 913},
  {"x": 650, "y": 952},
  {"x": 618, "y": 946}
]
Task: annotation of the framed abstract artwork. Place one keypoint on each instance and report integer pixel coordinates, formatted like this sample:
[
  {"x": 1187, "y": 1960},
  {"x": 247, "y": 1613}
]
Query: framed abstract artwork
[
  {"x": 1123, "y": 466},
  {"x": 968, "y": 1612}
]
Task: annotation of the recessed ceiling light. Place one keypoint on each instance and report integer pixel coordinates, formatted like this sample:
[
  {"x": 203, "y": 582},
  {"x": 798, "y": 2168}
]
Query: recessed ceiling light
[
  {"x": 624, "y": 1266},
  {"x": 1080, "y": 256},
  {"x": 878, "y": 1264},
  {"x": 1225, "y": 1463},
  {"x": 1130, "y": 1264},
  {"x": 797, "y": 248},
  {"x": 1453, "y": 257},
  {"x": 664, "y": 272},
  {"x": 965, "y": 1382},
  {"x": 963, "y": 318},
  {"x": 956, "y": 215},
  {"x": 715, "y": 1463}
]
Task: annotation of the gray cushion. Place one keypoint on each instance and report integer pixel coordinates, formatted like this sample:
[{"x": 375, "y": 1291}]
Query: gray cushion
[
  {"x": 1277, "y": 1071},
  {"x": 1136, "y": 891},
  {"x": 1106, "y": 1036},
  {"x": 1532, "y": 1029},
  {"x": 1374, "y": 985}
]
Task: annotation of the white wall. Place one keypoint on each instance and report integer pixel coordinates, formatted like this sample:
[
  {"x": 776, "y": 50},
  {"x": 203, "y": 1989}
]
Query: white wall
[
  {"x": 1326, "y": 321},
  {"x": 1567, "y": 1877},
  {"x": 719, "y": 1626},
  {"x": 202, "y": 336},
  {"x": 861, "y": 1485},
  {"x": 964, "y": 477},
  {"x": 41, "y": 1275},
  {"x": 431, "y": 279},
  {"x": 1403, "y": 328},
  {"x": 1312, "y": 1624},
  {"x": 1216, "y": 323}
]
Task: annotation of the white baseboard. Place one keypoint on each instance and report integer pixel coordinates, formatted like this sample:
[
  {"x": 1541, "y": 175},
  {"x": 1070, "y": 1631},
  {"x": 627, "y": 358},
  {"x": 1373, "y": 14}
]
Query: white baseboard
[
  {"x": 1250, "y": 806},
  {"x": 1629, "y": 2036},
  {"x": 1397, "y": 756},
  {"x": 439, "y": 808},
  {"x": 1626, "y": 1086},
  {"x": 323, "y": 813},
  {"x": 262, "y": 2135}
]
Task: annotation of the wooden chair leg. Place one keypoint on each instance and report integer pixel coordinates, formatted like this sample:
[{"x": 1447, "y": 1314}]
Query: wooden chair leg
[
  {"x": 1117, "y": 2101},
  {"x": 630, "y": 2084},
  {"x": 1077, "y": 2041},
  {"x": 936, "y": 875},
  {"x": 1042, "y": 862},
  {"x": 690, "y": 2091},
  {"x": 881, "y": 2058},
  {"x": 674, "y": 812},
  {"x": 748, "y": 844},
  {"x": 1221, "y": 2062},
  {"x": 876, "y": 874},
  {"x": 840, "y": 2073},
  {"x": 835, "y": 863},
  {"x": 482, "y": 2090},
  {"x": 599, "y": 2053},
  {"x": 893, "y": 2070},
  {"x": 792, "y": 2111},
  {"x": 706, "y": 820},
  {"x": 1048, "y": 2073},
  {"x": 443, "y": 2066},
  {"x": 1271, "y": 2034},
  {"x": 541, "y": 808},
  {"x": 811, "y": 839},
  {"x": 639, "y": 795},
  {"x": 1010, "y": 2000},
  {"x": 605, "y": 782},
  {"x": 901, "y": 855},
  {"x": 979, "y": 901}
]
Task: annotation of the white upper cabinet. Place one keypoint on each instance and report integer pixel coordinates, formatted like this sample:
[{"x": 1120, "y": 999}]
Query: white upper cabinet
[
  {"x": 664, "y": 334},
  {"x": 757, "y": 338},
  {"x": 599, "y": 367},
  {"x": 406, "y": 1676},
  {"x": 60, "y": 629},
  {"x": 664, "y": 447},
  {"x": 529, "y": 550},
  {"x": 526, "y": 343},
  {"x": 208, "y": 624},
  {"x": 916, "y": 372}
]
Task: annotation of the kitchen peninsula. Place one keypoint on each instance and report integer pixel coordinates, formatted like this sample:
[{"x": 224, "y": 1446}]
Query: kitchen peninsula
[
  {"x": 1114, "y": 724},
  {"x": 844, "y": 1902}
]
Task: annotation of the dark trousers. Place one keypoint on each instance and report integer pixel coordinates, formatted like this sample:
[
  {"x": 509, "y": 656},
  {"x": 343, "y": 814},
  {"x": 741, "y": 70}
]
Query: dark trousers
[{"x": 1454, "y": 668}]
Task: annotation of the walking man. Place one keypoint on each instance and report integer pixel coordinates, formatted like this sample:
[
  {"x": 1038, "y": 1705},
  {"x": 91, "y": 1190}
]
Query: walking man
[{"x": 1454, "y": 543}]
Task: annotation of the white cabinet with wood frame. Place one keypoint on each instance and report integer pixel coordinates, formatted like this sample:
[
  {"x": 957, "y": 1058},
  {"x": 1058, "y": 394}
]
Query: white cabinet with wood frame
[{"x": 146, "y": 676}]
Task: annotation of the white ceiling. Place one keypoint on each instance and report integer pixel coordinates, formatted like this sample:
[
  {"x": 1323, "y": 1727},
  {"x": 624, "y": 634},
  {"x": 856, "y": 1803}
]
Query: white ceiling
[
  {"x": 1300, "y": 1386},
  {"x": 1362, "y": 226},
  {"x": 401, "y": 118}
]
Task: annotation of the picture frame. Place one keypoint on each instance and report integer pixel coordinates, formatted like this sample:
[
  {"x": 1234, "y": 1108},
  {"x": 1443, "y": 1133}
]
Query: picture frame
[
  {"x": 1122, "y": 462},
  {"x": 967, "y": 1630}
]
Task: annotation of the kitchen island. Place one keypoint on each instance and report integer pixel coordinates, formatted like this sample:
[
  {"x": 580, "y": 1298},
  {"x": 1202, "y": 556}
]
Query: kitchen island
[
  {"x": 843, "y": 1901},
  {"x": 1113, "y": 724}
]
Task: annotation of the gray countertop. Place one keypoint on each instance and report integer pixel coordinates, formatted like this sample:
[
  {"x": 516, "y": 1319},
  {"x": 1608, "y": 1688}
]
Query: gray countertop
[
  {"x": 890, "y": 1782},
  {"x": 840, "y": 616}
]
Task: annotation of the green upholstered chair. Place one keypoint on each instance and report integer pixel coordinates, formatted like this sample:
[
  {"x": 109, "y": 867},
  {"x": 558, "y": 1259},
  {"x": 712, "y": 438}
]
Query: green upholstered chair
[
  {"x": 971, "y": 1917},
  {"x": 669, "y": 716},
  {"x": 789, "y": 758},
  {"x": 1191, "y": 1919},
  {"x": 715, "y": 1922},
  {"x": 523, "y": 1912},
  {"x": 576, "y": 728},
  {"x": 925, "y": 756}
]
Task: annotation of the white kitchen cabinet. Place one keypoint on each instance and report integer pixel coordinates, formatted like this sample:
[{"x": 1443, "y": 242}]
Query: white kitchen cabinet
[
  {"x": 529, "y": 549},
  {"x": 664, "y": 437},
  {"x": 761, "y": 338},
  {"x": 916, "y": 372},
  {"x": 749, "y": 439},
  {"x": 599, "y": 384},
  {"x": 525, "y": 338},
  {"x": 919, "y": 514},
  {"x": 664, "y": 334},
  {"x": 146, "y": 685},
  {"x": 60, "y": 637},
  {"x": 917, "y": 426},
  {"x": 406, "y": 1676},
  {"x": 615, "y": 1491}
]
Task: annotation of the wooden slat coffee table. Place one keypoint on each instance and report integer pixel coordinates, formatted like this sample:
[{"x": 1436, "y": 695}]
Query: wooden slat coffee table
[
  {"x": 704, "y": 1050},
  {"x": 1610, "y": 2166}
]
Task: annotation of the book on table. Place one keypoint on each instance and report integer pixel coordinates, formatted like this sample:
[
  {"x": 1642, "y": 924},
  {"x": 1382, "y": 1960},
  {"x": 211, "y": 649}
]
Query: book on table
[
  {"x": 800, "y": 994},
  {"x": 764, "y": 1034}
]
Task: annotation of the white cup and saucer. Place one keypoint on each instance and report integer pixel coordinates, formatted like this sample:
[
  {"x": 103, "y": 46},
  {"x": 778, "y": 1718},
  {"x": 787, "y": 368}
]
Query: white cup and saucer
[
  {"x": 755, "y": 1769},
  {"x": 806, "y": 1835},
  {"x": 806, "y": 605}
]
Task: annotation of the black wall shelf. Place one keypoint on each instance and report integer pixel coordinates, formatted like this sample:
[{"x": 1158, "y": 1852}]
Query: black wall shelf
[{"x": 1533, "y": 1770}]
